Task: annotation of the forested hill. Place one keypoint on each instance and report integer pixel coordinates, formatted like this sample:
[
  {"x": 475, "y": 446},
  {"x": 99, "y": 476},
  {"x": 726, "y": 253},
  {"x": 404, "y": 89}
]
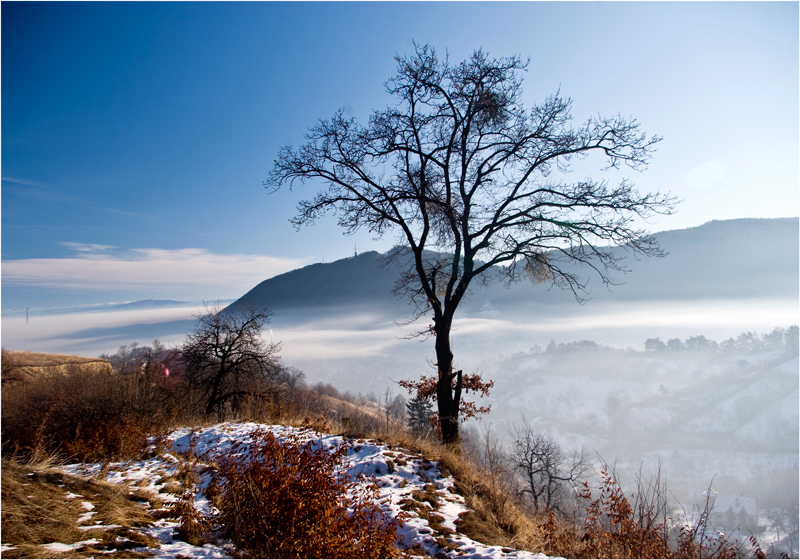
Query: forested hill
[{"x": 743, "y": 258}]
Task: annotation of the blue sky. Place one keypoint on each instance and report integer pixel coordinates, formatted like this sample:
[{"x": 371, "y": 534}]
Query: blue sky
[{"x": 136, "y": 136}]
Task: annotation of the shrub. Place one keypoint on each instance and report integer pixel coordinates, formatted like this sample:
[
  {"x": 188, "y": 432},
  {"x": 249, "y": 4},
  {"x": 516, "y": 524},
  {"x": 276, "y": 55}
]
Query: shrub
[
  {"x": 83, "y": 415},
  {"x": 617, "y": 528},
  {"x": 290, "y": 499},
  {"x": 613, "y": 531},
  {"x": 193, "y": 524}
]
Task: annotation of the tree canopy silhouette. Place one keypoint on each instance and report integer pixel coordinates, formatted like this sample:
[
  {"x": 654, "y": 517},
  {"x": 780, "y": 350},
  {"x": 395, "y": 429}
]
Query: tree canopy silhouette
[
  {"x": 227, "y": 359},
  {"x": 472, "y": 181}
]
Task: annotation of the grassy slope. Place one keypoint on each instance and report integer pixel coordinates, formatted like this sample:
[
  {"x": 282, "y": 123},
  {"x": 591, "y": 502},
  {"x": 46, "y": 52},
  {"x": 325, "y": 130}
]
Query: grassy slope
[{"x": 41, "y": 505}]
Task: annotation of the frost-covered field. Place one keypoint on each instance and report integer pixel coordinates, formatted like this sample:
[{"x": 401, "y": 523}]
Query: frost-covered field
[{"x": 397, "y": 472}]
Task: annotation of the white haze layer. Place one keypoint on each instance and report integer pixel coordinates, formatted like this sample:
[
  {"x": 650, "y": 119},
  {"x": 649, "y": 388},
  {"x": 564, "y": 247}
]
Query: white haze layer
[
  {"x": 314, "y": 340},
  {"x": 669, "y": 407},
  {"x": 65, "y": 333}
]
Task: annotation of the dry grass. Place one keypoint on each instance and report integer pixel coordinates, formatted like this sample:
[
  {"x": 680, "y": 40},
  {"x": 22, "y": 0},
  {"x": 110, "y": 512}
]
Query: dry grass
[
  {"x": 306, "y": 408},
  {"x": 85, "y": 415},
  {"x": 40, "y": 359},
  {"x": 493, "y": 517},
  {"x": 21, "y": 366},
  {"x": 38, "y": 508}
]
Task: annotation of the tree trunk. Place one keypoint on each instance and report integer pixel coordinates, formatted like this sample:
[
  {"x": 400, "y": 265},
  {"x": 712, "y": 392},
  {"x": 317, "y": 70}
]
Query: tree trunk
[
  {"x": 212, "y": 402},
  {"x": 447, "y": 401},
  {"x": 212, "y": 399}
]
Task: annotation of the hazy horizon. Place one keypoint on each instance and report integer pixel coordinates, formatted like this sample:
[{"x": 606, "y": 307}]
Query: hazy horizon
[{"x": 336, "y": 330}]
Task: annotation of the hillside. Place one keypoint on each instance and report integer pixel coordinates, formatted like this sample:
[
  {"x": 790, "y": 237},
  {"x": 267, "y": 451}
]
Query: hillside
[
  {"x": 17, "y": 365},
  {"x": 745, "y": 258},
  {"x": 705, "y": 414},
  {"x": 722, "y": 258},
  {"x": 359, "y": 278},
  {"x": 648, "y": 401},
  {"x": 416, "y": 491}
]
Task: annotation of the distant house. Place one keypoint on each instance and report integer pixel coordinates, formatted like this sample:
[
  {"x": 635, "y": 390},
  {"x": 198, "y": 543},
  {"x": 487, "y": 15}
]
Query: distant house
[{"x": 728, "y": 513}]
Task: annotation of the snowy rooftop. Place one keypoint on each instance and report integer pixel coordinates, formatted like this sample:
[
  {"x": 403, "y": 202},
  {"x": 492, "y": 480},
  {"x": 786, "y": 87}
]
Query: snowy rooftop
[{"x": 723, "y": 503}]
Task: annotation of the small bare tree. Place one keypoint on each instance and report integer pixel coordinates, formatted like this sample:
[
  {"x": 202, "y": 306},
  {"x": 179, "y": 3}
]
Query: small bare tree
[
  {"x": 549, "y": 477},
  {"x": 474, "y": 182},
  {"x": 227, "y": 359}
]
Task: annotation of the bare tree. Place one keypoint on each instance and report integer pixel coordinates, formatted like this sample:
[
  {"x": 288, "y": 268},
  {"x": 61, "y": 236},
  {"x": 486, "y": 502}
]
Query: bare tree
[
  {"x": 549, "y": 476},
  {"x": 226, "y": 357},
  {"x": 471, "y": 182}
]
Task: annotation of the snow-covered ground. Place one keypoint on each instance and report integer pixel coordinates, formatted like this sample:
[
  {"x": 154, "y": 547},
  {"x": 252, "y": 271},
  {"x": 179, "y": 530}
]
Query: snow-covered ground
[{"x": 397, "y": 472}]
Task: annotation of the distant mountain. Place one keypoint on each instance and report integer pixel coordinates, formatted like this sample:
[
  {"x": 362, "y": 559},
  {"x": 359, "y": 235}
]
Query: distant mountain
[
  {"x": 148, "y": 304},
  {"x": 142, "y": 304},
  {"x": 744, "y": 258},
  {"x": 722, "y": 258}
]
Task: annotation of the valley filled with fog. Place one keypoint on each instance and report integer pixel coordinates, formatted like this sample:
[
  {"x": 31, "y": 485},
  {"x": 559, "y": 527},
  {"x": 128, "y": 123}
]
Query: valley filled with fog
[
  {"x": 727, "y": 414},
  {"x": 691, "y": 364},
  {"x": 718, "y": 406}
]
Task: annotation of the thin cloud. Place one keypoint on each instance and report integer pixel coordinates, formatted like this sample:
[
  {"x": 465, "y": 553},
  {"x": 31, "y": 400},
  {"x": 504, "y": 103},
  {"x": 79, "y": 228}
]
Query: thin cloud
[
  {"x": 96, "y": 267},
  {"x": 42, "y": 191},
  {"x": 24, "y": 182},
  {"x": 85, "y": 248}
]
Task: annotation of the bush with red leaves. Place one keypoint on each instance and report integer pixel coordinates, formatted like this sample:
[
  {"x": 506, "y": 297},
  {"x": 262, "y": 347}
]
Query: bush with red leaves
[{"x": 289, "y": 499}]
